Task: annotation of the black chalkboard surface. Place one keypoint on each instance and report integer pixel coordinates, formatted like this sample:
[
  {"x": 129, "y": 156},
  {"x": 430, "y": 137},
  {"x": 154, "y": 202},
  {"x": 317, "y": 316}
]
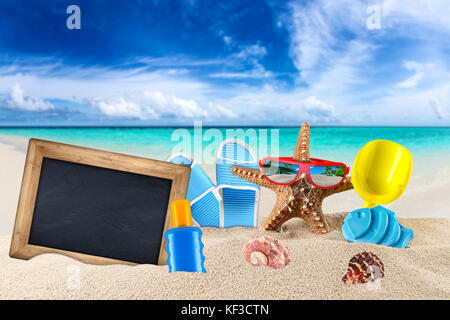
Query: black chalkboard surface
[
  {"x": 79, "y": 206},
  {"x": 96, "y": 206}
]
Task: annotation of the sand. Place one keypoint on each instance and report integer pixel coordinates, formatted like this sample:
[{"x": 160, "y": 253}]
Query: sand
[
  {"x": 12, "y": 160},
  {"x": 315, "y": 272},
  {"x": 421, "y": 271}
]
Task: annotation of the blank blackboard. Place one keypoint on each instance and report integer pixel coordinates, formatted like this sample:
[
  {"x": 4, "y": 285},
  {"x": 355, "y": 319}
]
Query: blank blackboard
[
  {"x": 99, "y": 211},
  {"x": 92, "y": 204}
]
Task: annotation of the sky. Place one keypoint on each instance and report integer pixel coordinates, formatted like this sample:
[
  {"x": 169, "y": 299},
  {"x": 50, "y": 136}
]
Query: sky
[{"x": 231, "y": 63}]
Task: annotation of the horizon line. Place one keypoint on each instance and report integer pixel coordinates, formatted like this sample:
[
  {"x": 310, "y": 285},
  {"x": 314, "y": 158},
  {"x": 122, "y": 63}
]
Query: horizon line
[{"x": 211, "y": 126}]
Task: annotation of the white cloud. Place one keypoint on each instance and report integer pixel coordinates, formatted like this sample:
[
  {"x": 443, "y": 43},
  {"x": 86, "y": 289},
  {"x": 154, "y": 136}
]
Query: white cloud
[
  {"x": 339, "y": 79},
  {"x": 245, "y": 64},
  {"x": 220, "y": 111},
  {"x": 342, "y": 62},
  {"x": 314, "y": 28},
  {"x": 270, "y": 105},
  {"x": 251, "y": 52},
  {"x": 343, "y": 72},
  {"x": 76, "y": 83},
  {"x": 257, "y": 72},
  {"x": 418, "y": 106},
  {"x": 319, "y": 110},
  {"x": 419, "y": 72},
  {"x": 412, "y": 81},
  {"x": 170, "y": 106},
  {"x": 154, "y": 105},
  {"x": 19, "y": 101},
  {"x": 323, "y": 34},
  {"x": 119, "y": 108},
  {"x": 228, "y": 40},
  {"x": 420, "y": 13},
  {"x": 125, "y": 94}
]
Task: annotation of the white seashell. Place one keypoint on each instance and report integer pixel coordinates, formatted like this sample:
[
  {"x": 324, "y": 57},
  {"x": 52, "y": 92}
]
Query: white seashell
[{"x": 257, "y": 258}]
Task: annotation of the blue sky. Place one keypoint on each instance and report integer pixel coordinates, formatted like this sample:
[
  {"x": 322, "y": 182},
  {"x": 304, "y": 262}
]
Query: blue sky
[{"x": 225, "y": 63}]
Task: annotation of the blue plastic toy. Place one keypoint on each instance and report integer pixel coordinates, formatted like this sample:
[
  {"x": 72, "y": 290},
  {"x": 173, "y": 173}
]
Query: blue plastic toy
[{"x": 376, "y": 225}]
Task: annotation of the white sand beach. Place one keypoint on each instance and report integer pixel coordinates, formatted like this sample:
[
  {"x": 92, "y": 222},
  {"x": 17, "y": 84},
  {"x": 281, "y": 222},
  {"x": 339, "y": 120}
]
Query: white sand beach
[
  {"x": 315, "y": 271},
  {"x": 317, "y": 265}
]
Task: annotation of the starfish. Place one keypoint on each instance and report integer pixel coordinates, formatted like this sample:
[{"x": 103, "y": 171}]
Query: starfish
[{"x": 300, "y": 199}]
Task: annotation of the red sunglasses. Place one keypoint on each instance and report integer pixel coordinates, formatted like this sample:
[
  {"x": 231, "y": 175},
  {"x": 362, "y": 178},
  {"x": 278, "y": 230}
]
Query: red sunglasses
[{"x": 322, "y": 174}]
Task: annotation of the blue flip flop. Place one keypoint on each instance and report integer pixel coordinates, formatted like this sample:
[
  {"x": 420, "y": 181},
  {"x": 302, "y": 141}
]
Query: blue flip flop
[
  {"x": 202, "y": 193},
  {"x": 240, "y": 198}
]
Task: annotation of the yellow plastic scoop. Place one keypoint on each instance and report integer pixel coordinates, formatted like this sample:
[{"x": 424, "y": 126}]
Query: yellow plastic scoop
[{"x": 381, "y": 172}]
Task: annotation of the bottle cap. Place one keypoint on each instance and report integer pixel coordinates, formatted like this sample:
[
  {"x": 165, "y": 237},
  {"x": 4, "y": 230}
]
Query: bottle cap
[{"x": 181, "y": 213}]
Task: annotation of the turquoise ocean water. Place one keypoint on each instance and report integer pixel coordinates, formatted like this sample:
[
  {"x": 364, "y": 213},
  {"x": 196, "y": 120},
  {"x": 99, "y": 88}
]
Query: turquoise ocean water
[{"x": 430, "y": 146}]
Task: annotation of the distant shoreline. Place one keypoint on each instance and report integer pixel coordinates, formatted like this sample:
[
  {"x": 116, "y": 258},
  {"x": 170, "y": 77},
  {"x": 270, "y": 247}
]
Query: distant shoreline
[{"x": 211, "y": 126}]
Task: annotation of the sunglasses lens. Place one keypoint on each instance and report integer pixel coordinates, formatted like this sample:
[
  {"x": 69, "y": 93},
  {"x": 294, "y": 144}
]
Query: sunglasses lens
[
  {"x": 280, "y": 172},
  {"x": 327, "y": 176}
]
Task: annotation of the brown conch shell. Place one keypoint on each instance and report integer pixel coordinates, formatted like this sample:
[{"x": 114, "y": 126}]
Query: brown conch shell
[
  {"x": 266, "y": 251},
  {"x": 363, "y": 267}
]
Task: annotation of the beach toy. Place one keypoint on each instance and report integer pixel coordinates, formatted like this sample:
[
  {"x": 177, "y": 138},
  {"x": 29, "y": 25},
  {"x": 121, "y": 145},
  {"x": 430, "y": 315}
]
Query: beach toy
[
  {"x": 376, "y": 225},
  {"x": 364, "y": 267},
  {"x": 380, "y": 175},
  {"x": 184, "y": 245},
  {"x": 266, "y": 251},
  {"x": 381, "y": 172},
  {"x": 240, "y": 198},
  {"x": 298, "y": 200},
  {"x": 202, "y": 193}
]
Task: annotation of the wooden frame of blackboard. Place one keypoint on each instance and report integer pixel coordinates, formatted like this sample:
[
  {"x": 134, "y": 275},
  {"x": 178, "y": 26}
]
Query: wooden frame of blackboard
[{"x": 38, "y": 149}]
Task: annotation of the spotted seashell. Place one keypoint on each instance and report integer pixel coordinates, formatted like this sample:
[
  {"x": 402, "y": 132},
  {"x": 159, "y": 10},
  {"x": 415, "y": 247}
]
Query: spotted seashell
[
  {"x": 363, "y": 267},
  {"x": 266, "y": 251}
]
